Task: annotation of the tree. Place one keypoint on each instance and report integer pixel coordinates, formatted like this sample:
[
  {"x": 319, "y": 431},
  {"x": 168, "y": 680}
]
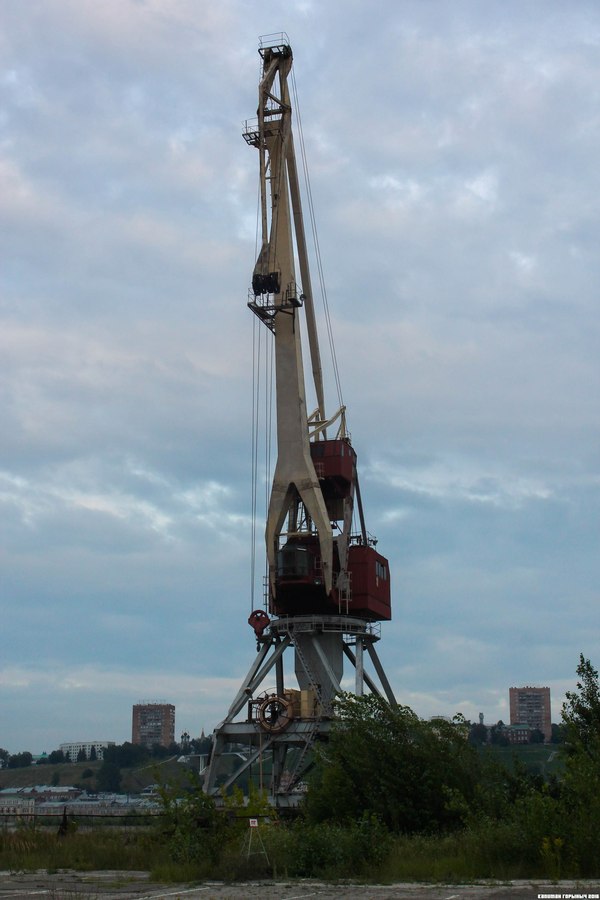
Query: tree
[
  {"x": 581, "y": 784},
  {"x": 202, "y": 745},
  {"x": 57, "y": 756},
  {"x": 159, "y": 751},
  {"x": 498, "y": 734},
  {"x": 93, "y": 753},
  {"x": 4, "y": 757},
  {"x": 109, "y": 776},
  {"x": 581, "y": 712},
  {"x": 384, "y": 761},
  {"x": 195, "y": 829},
  {"x": 82, "y": 755},
  {"x": 536, "y": 737},
  {"x": 20, "y": 760},
  {"x": 478, "y": 734},
  {"x": 126, "y": 755}
]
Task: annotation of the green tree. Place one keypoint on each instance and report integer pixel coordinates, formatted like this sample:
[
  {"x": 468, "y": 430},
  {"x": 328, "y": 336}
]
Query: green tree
[
  {"x": 386, "y": 762},
  {"x": 20, "y": 760},
  {"x": 195, "y": 829},
  {"x": 159, "y": 751},
  {"x": 478, "y": 734},
  {"x": 581, "y": 712},
  {"x": 126, "y": 755},
  {"x": 580, "y": 796},
  {"x": 201, "y": 745},
  {"x": 57, "y": 756},
  {"x": 82, "y": 755},
  {"x": 109, "y": 776},
  {"x": 498, "y": 735},
  {"x": 93, "y": 753}
]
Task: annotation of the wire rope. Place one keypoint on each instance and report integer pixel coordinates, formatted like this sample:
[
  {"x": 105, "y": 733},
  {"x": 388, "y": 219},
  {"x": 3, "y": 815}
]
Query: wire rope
[
  {"x": 269, "y": 394},
  {"x": 255, "y": 419},
  {"x": 256, "y": 365},
  {"x": 312, "y": 217}
]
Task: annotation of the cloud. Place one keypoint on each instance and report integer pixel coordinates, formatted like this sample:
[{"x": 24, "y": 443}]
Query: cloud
[{"x": 453, "y": 162}]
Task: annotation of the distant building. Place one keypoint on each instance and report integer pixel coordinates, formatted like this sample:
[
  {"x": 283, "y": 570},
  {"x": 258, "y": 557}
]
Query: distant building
[
  {"x": 73, "y": 749},
  {"x": 153, "y": 723},
  {"x": 518, "y": 734},
  {"x": 531, "y": 706}
]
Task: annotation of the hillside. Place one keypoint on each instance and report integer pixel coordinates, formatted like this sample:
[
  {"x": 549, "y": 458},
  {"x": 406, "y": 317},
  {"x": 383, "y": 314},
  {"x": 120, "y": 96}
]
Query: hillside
[
  {"x": 539, "y": 759},
  {"x": 133, "y": 781}
]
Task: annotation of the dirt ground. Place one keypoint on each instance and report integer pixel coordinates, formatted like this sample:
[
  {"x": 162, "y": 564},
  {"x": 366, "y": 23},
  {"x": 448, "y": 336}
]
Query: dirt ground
[{"x": 136, "y": 886}]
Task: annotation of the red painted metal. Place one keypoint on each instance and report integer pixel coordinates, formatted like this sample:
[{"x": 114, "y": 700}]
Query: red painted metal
[
  {"x": 334, "y": 461},
  {"x": 259, "y": 621},
  {"x": 370, "y": 574}
]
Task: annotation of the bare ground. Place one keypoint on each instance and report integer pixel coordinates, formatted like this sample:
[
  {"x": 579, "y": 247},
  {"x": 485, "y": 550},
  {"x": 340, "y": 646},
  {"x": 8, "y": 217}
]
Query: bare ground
[{"x": 137, "y": 886}]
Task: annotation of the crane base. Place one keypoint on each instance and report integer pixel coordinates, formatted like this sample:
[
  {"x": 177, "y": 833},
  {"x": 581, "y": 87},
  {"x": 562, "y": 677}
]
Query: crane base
[{"x": 268, "y": 736}]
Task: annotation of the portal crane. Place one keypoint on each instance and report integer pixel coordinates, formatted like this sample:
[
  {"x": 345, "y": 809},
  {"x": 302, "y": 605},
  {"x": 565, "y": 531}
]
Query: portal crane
[{"x": 328, "y": 588}]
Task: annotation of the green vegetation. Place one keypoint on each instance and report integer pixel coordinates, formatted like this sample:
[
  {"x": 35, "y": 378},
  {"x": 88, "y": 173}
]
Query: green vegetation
[
  {"x": 412, "y": 776},
  {"x": 392, "y": 798},
  {"x": 29, "y": 850}
]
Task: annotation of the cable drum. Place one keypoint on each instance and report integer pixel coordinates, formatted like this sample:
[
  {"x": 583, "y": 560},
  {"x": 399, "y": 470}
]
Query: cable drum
[{"x": 275, "y": 714}]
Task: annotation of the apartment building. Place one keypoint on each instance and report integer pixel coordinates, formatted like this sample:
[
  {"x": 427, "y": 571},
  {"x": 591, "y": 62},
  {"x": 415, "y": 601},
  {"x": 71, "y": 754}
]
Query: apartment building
[
  {"x": 74, "y": 748},
  {"x": 531, "y": 706},
  {"x": 153, "y": 723}
]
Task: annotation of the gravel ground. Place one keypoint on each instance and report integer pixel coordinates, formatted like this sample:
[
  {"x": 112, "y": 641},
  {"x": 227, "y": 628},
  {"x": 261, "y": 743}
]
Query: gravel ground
[{"x": 136, "y": 886}]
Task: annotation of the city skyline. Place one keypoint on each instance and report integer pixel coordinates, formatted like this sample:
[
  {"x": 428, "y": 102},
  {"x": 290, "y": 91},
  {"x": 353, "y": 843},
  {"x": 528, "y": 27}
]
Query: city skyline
[{"x": 82, "y": 739}]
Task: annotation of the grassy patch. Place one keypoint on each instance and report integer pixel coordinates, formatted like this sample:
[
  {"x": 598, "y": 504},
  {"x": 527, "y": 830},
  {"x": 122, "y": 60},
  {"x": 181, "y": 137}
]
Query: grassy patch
[
  {"x": 28, "y": 850},
  {"x": 364, "y": 852}
]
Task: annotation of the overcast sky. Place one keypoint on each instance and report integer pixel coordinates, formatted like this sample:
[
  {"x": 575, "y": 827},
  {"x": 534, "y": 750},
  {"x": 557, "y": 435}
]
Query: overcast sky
[{"x": 453, "y": 152}]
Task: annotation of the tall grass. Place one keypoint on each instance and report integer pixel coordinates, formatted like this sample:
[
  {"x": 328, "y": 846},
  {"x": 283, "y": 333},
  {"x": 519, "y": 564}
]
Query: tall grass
[
  {"x": 27, "y": 850},
  {"x": 364, "y": 851}
]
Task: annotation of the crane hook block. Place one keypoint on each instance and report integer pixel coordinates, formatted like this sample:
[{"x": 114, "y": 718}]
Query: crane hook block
[{"x": 259, "y": 621}]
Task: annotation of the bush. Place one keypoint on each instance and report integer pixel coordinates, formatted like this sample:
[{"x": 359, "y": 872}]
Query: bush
[
  {"x": 381, "y": 761},
  {"x": 193, "y": 829}
]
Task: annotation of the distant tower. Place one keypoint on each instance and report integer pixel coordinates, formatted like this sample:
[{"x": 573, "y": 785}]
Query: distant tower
[
  {"x": 531, "y": 706},
  {"x": 481, "y": 718},
  {"x": 153, "y": 723}
]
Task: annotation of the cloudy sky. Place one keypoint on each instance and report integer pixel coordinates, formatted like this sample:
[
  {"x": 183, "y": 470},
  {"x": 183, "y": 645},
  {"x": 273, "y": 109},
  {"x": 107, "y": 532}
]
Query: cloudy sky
[{"x": 453, "y": 151}]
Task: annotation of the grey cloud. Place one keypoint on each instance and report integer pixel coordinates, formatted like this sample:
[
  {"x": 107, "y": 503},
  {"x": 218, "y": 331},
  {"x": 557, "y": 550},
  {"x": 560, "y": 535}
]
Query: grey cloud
[{"x": 453, "y": 157}]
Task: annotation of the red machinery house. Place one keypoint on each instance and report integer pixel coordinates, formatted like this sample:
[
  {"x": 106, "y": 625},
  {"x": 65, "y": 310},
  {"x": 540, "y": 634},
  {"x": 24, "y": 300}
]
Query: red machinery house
[{"x": 299, "y": 564}]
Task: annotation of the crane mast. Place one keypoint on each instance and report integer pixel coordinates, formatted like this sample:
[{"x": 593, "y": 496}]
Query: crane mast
[{"x": 328, "y": 587}]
